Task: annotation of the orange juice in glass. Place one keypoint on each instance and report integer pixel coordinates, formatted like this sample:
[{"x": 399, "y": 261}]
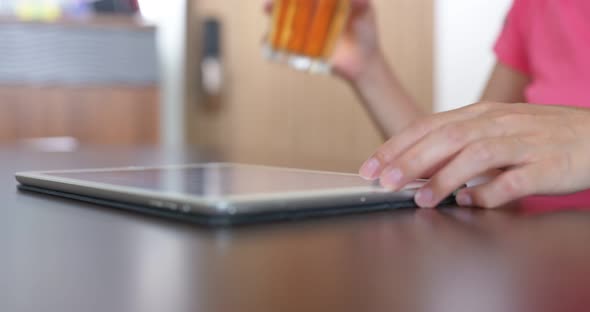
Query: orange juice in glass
[{"x": 303, "y": 33}]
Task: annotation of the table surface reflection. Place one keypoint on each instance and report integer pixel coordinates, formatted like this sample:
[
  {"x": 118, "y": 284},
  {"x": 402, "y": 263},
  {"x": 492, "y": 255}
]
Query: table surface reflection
[{"x": 60, "y": 255}]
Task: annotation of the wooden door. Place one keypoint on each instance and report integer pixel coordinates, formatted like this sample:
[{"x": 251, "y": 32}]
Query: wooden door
[{"x": 274, "y": 115}]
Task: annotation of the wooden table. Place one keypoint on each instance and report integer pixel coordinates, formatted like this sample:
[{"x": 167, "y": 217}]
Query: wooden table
[{"x": 59, "y": 255}]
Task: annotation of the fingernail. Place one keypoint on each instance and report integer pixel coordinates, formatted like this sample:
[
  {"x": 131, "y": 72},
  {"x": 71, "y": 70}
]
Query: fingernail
[
  {"x": 424, "y": 198},
  {"x": 392, "y": 178},
  {"x": 464, "y": 199},
  {"x": 370, "y": 169}
]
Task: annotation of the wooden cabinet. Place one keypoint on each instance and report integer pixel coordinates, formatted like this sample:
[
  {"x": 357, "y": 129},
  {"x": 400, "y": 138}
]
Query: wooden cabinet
[
  {"x": 271, "y": 114},
  {"x": 93, "y": 115},
  {"x": 95, "y": 81}
]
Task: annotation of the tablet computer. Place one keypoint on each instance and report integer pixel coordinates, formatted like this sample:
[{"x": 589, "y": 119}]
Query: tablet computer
[{"x": 221, "y": 193}]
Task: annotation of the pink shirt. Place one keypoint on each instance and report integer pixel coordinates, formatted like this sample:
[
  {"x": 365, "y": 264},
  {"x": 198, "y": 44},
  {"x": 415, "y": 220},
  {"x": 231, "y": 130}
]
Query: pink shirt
[{"x": 549, "y": 41}]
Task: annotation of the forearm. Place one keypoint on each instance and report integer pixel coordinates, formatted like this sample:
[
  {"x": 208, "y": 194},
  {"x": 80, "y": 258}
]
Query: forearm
[{"x": 383, "y": 95}]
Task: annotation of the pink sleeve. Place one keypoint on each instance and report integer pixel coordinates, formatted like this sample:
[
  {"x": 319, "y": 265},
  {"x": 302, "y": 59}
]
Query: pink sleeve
[{"x": 511, "y": 47}]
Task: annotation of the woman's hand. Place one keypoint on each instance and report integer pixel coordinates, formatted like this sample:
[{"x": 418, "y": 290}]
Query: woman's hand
[
  {"x": 358, "y": 50},
  {"x": 537, "y": 150}
]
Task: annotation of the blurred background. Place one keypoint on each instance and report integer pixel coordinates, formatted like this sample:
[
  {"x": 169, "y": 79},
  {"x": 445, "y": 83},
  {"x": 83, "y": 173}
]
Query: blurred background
[{"x": 190, "y": 72}]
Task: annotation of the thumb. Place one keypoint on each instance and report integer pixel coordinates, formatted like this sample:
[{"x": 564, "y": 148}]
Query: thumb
[
  {"x": 509, "y": 186},
  {"x": 268, "y": 5},
  {"x": 360, "y": 4}
]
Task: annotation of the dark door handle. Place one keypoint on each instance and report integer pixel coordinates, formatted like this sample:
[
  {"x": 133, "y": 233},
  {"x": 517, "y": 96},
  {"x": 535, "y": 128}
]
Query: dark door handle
[{"x": 212, "y": 69}]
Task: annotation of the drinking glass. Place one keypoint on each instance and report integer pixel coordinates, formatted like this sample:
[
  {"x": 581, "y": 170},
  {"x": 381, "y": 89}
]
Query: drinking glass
[{"x": 303, "y": 33}]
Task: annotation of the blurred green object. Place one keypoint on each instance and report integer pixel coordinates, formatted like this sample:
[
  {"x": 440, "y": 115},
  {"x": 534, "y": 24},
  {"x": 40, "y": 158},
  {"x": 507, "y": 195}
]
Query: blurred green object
[
  {"x": 38, "y": 10},
  {"x": 52, "y": 10}
]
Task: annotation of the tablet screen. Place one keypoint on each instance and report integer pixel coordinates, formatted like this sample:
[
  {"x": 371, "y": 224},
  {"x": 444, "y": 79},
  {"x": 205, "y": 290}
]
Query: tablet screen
[{"x": 217, "y": 180}]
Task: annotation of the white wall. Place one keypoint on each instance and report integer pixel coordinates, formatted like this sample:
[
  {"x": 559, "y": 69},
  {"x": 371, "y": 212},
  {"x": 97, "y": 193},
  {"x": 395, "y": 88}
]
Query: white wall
[
  {"x": 465, "y": 32},
  {"x": 170, "y": 17}
]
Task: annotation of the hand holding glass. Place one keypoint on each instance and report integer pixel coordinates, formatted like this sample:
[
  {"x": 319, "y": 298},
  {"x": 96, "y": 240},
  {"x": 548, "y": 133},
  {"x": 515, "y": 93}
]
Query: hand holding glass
[{"x": 304, "y": 32}]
